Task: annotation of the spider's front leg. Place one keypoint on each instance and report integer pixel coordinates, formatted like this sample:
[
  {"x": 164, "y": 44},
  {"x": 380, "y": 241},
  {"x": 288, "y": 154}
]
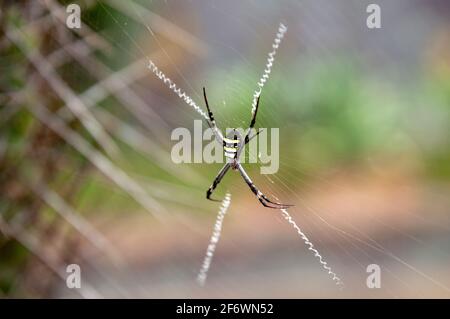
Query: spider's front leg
[
  {"x": 217, "y": 180},
  {"x": 261, "y": 197},
  {"x": 252, "y": 123},
  {"x": 212, "y": 122}
]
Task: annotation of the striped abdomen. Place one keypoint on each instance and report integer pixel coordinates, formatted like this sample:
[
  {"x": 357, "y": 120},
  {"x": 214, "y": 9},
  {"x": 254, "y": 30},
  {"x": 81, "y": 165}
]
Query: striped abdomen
[{"x": 230, "y": 147}]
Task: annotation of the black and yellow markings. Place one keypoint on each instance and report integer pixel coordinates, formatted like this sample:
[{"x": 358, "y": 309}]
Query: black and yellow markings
[{"x": 230, "y": 147}]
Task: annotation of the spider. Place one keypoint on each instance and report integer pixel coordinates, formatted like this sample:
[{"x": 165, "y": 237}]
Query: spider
[{"x": 233, "y": 145}]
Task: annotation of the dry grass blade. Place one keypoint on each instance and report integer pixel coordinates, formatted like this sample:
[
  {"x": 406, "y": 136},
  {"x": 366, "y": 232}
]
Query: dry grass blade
[
  {"x": 47, "y": 71},
  {"x": 98, "y": 160},
  {"x": 31, "y": 243},
  {"x": 140, "y": 142},
  {"x": 117, "y": 84},
  {"x": 91, "y": 37},
  {"x": 171, "y": 31},
  {"x": 55, "y": 201}
]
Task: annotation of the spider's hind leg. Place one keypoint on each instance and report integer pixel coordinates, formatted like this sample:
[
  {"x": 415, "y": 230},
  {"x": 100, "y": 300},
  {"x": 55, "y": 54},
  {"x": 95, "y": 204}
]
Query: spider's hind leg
[
  {"x": 261, "y": 197},
  {"x": 268, "y": 203},
  {"x": 216, "y": 182}
]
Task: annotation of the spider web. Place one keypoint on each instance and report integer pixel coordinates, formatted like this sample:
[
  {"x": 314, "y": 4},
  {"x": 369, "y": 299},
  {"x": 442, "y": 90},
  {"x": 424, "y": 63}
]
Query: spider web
[
  {"x": 349, "y": 242},
  {"x": 220, "y": 52}
]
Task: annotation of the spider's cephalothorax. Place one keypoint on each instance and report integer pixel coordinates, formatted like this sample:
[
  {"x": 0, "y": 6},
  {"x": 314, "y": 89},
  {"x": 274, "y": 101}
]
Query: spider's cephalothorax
[{"x": 233, "y": 144}]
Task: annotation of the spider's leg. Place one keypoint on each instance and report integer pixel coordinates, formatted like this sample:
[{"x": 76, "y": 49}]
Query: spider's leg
[
  {"x": 237, "y": 153},
  {"x": 212, "y": 122},
  {"x": 272, "y": 204},
  {"x": 254, "y": 135},
  {"x": 217, "y": 180},
  {"x": 241, "y": 148},
  {"x": 261, "y": 197},
  {"x": 252, "y": 122}
]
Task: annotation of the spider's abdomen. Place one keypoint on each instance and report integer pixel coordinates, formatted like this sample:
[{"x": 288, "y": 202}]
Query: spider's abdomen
[{"x": 231, "y": 147}]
